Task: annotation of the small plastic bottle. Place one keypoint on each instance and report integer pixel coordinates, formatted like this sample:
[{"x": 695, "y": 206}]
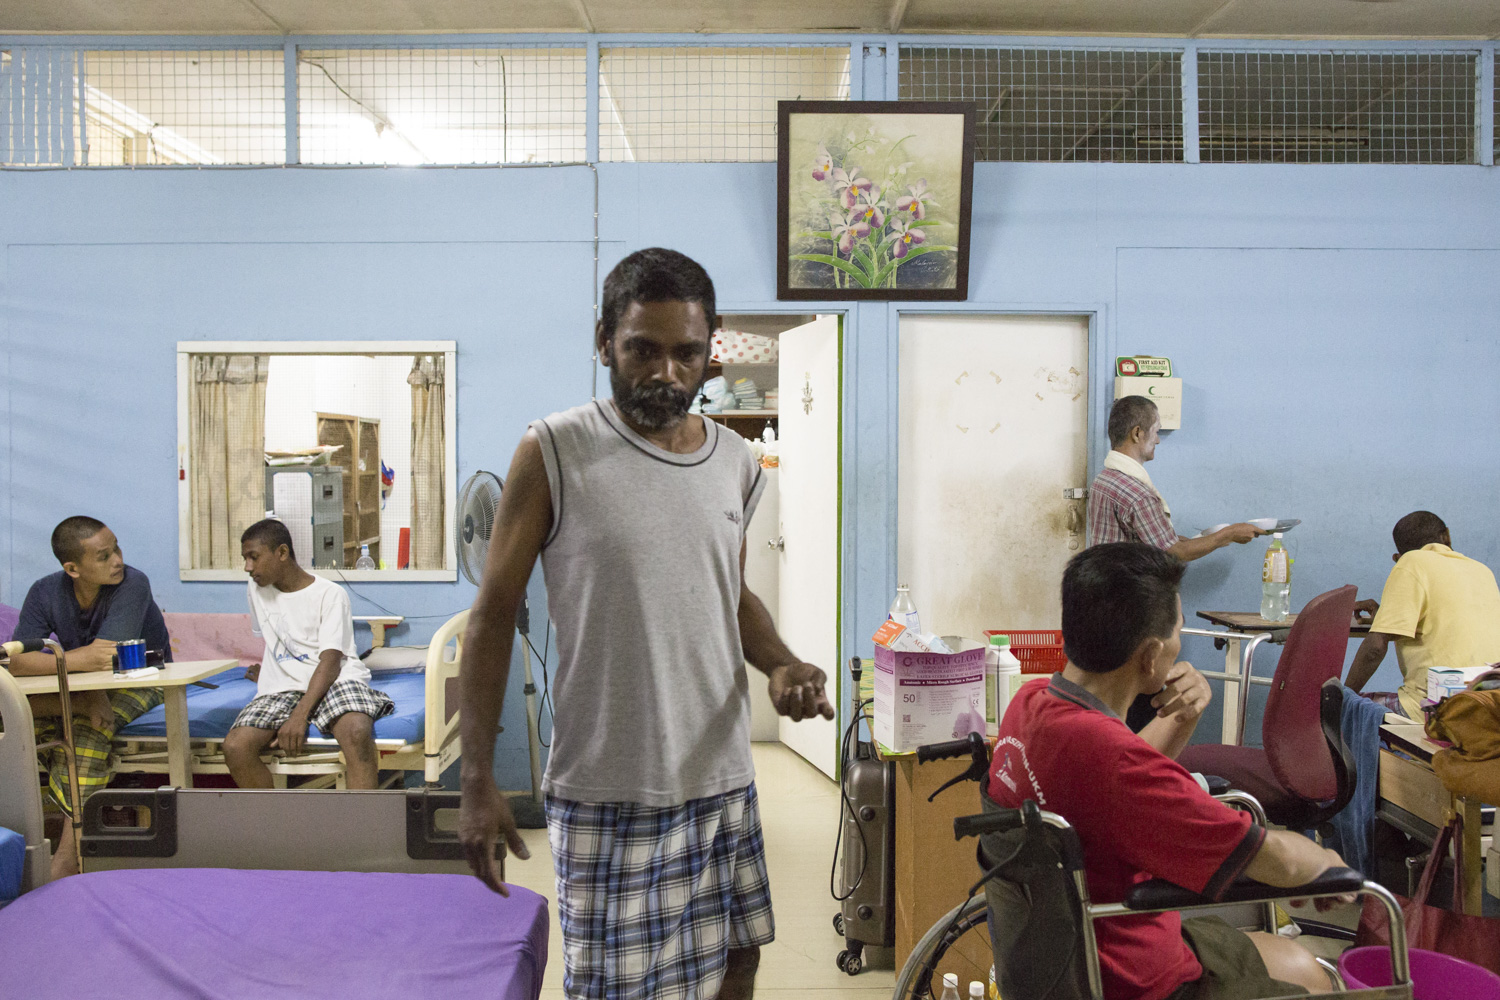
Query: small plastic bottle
[
  {"x": 994, "y": 987},
  {"x": 1000, "y": 665},
  {"x": 950, "y": 986},
  {"x": 904, "y": 610},
  {"x": 976, "y": 990},
  {"x": 364, "y": 561},
  {"x": 1275, "y": 581}
]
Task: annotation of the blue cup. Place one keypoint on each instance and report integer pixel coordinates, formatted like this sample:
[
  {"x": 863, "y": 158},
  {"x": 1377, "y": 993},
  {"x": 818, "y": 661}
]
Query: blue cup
[{"x": 130, "y": 655}]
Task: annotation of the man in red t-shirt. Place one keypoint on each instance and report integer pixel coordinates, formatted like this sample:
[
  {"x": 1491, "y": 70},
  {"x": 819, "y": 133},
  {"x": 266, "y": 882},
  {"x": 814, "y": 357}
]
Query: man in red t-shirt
[{"x": 1138, "y": 813}]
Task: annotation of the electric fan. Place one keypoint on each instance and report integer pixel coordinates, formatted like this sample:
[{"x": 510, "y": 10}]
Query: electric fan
[{"x": 478, "y": 504}]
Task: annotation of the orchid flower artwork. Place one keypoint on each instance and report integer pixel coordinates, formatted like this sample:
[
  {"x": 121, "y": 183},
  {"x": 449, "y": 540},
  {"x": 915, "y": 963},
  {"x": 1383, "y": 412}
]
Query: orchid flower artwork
[{"x": 865, "y": 206}]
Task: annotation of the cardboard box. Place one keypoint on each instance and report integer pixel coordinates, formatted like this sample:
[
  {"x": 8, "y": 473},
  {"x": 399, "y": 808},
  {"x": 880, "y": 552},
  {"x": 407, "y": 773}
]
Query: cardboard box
[
  {"x": 925, "y": 698},
  {"x": 1166, "y": 393},
  {"x": 1443, "y": 681}
]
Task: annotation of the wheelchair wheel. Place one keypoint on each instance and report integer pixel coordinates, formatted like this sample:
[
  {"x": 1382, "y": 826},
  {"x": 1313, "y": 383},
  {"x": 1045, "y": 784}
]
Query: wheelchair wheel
[{"x": 915, "y": 979}]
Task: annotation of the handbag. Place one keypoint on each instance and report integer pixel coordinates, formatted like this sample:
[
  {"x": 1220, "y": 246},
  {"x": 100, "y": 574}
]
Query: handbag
[{"x": 1432, "y": 928}]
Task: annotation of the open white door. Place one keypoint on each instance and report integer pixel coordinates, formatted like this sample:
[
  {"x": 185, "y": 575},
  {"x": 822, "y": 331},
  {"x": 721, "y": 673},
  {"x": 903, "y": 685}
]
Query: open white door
[
  {"x": 809, "y": 598},
  {"x": 994, "y": 429}
]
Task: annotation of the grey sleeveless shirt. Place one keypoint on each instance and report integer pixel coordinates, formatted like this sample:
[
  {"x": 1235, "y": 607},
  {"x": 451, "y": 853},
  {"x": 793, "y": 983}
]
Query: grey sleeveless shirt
[{"x": 642, "y": 567}]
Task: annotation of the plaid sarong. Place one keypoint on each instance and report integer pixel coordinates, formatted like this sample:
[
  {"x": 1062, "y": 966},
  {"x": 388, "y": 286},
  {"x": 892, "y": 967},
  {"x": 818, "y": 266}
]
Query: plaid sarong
[
  {"x": 90, "y": 745},
  {"x": 269, "y": 711},
  {"x": 651, "y": 900}
]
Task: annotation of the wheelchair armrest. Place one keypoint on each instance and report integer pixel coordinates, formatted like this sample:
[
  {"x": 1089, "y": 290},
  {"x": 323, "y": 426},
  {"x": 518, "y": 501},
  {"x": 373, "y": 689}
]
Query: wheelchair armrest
[
  {"x": 1159, "y": 894},
  {"x": 1216, "y": 785}
]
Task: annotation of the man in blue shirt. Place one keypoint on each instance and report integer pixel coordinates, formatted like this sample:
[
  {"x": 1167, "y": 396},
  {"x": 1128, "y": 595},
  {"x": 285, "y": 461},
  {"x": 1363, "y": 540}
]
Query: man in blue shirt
[{"x": 94, "y": 602}]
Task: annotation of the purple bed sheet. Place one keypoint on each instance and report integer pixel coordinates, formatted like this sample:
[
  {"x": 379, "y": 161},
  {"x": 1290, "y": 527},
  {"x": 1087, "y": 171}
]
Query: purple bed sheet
[{"x": 222, "y": 934}]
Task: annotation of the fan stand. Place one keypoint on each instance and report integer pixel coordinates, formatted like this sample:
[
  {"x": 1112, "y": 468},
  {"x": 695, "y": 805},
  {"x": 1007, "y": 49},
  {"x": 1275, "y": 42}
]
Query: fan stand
[{"x": 527, "y": 809}]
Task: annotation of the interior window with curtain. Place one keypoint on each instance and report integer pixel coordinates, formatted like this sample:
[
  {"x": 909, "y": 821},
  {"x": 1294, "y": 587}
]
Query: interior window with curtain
[{"x": 351, "y": 450}]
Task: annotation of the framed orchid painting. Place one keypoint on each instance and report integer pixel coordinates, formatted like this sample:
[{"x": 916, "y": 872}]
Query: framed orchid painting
[{"x": 874, "y": 199}]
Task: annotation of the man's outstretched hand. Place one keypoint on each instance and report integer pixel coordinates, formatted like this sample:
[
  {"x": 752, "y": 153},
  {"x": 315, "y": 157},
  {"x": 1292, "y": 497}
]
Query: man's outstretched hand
[
  {"x": 483, "y": 817},
  {"x": 797, "y": 691}
]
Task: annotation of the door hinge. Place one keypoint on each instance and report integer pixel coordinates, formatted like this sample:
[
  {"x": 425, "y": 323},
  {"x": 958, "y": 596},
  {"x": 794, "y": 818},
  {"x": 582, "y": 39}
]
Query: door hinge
[{"x": 1077, "y": 493}]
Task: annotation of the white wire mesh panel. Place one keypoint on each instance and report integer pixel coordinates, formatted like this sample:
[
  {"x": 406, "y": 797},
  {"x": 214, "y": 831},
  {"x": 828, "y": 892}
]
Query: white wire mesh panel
[
  {"x": 708, "y": 104},
  {"x": 460, "y": 105},
  {"x": 201, "y": 107},
  {"x": 1336, "y": 107},
  {"x": 1057, "y": 104}
]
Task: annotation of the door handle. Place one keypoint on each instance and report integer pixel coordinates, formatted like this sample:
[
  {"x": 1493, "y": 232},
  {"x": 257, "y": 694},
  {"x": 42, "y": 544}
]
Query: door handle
[{"x": 777, "y": 544}]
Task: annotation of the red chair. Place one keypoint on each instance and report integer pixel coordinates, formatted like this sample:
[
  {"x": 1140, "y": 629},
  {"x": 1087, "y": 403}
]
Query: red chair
[{"x": 1304, "y": 774}]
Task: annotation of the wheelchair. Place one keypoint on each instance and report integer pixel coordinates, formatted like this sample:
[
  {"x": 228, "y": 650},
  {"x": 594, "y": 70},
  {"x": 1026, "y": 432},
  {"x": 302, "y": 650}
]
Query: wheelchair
[{"x": 1042, "y": 929}]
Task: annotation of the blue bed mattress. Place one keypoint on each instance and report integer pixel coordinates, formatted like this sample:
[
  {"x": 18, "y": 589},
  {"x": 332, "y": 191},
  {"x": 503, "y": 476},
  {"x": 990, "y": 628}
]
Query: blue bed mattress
[{"x": 211, "y": 713}]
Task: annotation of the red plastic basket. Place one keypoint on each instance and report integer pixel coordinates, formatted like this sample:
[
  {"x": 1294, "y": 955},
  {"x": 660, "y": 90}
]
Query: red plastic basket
[{"x": 1040, "y": 650}]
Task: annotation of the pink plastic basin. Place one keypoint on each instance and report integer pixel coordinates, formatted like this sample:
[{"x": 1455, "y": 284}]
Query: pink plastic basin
[{"x": 1433, "y": 976}]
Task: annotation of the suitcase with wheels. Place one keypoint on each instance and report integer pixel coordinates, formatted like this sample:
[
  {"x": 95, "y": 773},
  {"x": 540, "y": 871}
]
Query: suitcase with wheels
[{"x": 868, "y": 878}]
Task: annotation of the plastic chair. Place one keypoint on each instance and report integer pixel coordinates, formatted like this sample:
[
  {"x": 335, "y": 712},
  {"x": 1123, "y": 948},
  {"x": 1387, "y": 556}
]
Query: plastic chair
[{"x": 1304, "y": 773}]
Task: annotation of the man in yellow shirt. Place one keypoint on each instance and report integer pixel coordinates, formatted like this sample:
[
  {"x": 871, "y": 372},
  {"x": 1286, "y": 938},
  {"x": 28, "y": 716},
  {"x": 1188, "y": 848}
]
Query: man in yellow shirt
[{"x": 1441, "y": 608}]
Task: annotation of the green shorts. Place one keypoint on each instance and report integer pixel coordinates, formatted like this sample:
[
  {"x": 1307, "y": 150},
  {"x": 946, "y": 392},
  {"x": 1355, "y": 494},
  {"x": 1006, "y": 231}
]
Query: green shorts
[{"x": 1232, "y": 967}]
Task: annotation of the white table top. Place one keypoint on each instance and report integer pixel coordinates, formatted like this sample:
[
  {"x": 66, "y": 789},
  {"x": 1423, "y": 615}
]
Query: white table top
[{"x": 172, "y": 675}]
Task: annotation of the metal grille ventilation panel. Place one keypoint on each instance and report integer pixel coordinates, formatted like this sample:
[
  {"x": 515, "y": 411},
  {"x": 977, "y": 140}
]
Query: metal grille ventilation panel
[
  {"x": 1336, "y": 107},
  {"x": 708, "y": 104},
  {"x": 442, "y": 106},
  {"x": 1057, "y": 105}
]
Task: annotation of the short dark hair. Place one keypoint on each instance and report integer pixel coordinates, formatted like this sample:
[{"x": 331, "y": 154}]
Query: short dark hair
[
  {"x": 272, "y": 534},
  {"x": 1114, "y": 597},
  {"x": 1419, "y": 528},
  {"x": 68, "y": 537},
  {"x": 1128, "y": 413},
  {"x": 656, "y": 275}
]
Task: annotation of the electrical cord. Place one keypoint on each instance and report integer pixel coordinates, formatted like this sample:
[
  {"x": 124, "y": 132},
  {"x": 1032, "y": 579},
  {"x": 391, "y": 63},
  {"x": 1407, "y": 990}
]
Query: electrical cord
[{"x": 864, "y": 843}]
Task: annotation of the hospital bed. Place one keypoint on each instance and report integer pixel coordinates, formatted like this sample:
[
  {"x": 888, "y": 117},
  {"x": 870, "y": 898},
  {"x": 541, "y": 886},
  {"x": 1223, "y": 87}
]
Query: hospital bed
[
  {"x": 421, "y": 736},
  {"x": 257, "y": 894}
]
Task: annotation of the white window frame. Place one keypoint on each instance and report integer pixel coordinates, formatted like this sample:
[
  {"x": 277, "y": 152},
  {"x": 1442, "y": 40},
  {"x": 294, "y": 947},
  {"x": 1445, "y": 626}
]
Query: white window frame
[{"x": 447, "y": 348}]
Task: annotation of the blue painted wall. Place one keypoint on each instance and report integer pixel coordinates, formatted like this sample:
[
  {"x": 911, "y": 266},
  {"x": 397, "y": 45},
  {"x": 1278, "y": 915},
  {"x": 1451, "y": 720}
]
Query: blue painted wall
[{"x": 1334, "y": 326}]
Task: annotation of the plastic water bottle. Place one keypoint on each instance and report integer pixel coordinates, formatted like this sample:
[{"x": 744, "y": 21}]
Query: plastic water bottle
[
  {"x": 364, "y": 561},
  {"x": 904, "y": 611},
  {"x": 950, "y": 986},
  {"x": 1000, "y": 665},
  {"x": 1275, "y": 581},
  {"x": 976, "y": 990}
]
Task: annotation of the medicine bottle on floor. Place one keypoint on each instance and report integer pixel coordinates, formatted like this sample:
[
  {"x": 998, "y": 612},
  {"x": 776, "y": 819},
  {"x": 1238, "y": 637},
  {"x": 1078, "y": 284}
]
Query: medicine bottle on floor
[
  {"x": 976, "y": 990},
  {"x": 950, "y": 986},
  {"x": 1275, "y": 581},
  {"x": 364, "y": 561}
]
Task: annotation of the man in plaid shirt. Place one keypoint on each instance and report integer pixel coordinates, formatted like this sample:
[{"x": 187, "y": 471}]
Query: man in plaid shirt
[{"x": 1123, "y": 503}]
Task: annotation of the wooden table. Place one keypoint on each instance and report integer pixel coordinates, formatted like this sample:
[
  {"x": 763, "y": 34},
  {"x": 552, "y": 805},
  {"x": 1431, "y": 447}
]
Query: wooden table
[
  {"x": 1243, "y": 632},
  {"x": 378, "y": 624},
  {"x": 173, "y": 679},
  {"x": 1411, "y": 798}
]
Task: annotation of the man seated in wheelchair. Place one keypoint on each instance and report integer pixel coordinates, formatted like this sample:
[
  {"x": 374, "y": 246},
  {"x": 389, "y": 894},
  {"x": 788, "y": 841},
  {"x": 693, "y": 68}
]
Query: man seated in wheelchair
[{"x": 1137, "y": 812}]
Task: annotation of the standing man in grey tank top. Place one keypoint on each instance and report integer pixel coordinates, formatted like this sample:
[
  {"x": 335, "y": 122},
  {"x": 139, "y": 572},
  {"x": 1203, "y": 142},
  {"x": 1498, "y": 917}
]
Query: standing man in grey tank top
[{"x": 638, "y": 512}]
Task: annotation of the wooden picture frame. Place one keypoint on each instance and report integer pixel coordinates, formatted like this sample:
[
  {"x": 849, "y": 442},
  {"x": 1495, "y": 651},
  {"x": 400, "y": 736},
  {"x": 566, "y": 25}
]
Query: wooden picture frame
[{"x": 874, "y": 200}]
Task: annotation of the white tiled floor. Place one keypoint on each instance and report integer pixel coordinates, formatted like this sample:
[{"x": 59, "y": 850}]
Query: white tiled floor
[{"x": 799, "y": 811}]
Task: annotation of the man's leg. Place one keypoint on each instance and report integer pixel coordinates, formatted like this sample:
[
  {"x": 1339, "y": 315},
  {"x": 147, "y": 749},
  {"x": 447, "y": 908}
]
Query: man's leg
[
  {"x": 355, "y": 732},
  {"x": 242, "y": 749},
  {"x": 739, "y": 975},
  {"x": 91, "y": 749},
  {"x": 1289, "y": 962}
]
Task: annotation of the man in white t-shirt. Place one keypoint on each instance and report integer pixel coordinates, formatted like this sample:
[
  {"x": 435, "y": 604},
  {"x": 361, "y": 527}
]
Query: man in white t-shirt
[{"x": 311, "y": 671}]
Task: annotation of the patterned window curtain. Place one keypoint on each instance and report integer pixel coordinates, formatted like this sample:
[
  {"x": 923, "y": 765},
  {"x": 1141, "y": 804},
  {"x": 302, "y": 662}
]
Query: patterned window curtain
[
  {"x": 227, "y": 440},
  {"x": 428, "y": 458}
]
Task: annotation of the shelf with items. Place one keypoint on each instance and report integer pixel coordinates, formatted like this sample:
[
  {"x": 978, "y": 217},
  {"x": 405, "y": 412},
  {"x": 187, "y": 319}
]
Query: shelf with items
[{"x": 360, "y": 458}]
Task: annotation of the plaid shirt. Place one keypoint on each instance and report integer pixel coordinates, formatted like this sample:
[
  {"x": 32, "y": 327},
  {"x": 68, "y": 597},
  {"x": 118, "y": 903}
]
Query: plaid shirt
[{"x": 1124, "y": 509}]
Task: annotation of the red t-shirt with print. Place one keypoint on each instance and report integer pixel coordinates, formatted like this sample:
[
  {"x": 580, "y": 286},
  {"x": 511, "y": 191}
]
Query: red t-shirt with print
[{"x": 1138, "y": 815}]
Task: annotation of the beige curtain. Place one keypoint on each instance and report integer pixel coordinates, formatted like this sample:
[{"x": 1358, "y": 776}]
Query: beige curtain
[
  {"x": 227, "y": 428},
  {"x": 428, "y": 457}
]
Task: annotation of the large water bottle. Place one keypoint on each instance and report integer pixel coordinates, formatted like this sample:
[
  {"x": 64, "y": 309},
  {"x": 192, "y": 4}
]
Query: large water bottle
[
  {"x": 1000, "y": 665},
  {"x": 1275, "y": 581},
  {"x": 904, "y": 610},
  {"x": 364, "y": 561}
]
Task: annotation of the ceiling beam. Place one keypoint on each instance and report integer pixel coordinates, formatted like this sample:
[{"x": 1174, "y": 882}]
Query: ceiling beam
[
  {"x": 583, "y": 15},
  {"x": 898, "y": 15}
]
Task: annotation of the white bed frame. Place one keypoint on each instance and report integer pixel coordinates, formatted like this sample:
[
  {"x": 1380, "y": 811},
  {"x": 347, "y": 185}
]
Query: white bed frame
[
  {"x": 322, "y": 761},
  {"x": 20, "y": 798}
]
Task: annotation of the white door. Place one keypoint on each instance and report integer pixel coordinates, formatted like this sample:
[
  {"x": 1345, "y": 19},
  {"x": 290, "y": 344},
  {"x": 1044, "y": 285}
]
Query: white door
[
  {"x": 993, "y": 429},
  {"x": 809, "y": 598}
]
